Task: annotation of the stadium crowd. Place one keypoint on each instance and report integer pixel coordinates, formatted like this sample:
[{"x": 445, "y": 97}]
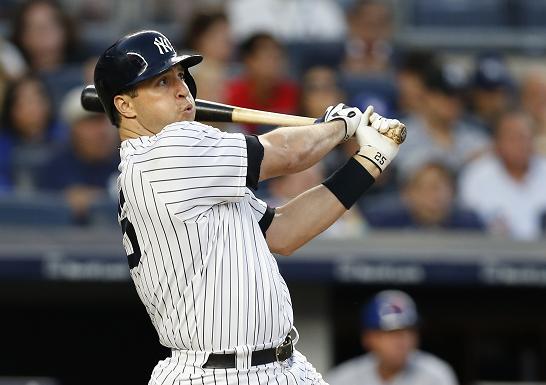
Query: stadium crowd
[{"x": 474, "y": 158}]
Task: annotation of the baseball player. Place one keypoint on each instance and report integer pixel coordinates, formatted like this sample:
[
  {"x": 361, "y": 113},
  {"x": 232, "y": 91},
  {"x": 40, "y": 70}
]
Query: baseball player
[
  {"x": 389, "y": 333},
  {"x": 199, "y": 243}
]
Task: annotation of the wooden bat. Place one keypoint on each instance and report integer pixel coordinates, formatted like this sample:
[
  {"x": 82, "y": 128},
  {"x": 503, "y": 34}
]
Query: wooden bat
[{"x": 207, "y": 111}]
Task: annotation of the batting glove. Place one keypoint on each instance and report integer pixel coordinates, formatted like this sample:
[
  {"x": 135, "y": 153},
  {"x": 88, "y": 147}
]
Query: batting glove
[
  {"x": 350, "y": 115},
  {"x": 374, "y": 146}
]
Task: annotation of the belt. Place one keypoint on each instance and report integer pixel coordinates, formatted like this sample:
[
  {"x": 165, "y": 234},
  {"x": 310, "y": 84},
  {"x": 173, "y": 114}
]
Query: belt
[{"x": 259, "y": 357}]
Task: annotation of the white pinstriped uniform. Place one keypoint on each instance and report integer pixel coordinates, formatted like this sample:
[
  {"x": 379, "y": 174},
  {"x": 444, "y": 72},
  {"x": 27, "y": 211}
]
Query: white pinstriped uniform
[{"x": 198, "y": 257}]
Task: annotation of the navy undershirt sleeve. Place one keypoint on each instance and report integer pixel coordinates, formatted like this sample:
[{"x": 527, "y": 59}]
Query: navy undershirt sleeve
[{"x": 255, "y": 155}]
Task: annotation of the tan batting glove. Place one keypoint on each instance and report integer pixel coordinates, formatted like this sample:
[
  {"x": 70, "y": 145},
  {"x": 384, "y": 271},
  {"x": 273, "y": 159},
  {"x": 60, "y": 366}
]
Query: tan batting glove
[{"x": 374, "y": 146}]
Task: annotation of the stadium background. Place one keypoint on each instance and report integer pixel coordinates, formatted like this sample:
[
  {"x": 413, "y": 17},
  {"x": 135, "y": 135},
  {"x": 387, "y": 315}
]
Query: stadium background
[{"x": 68, "y": 311}]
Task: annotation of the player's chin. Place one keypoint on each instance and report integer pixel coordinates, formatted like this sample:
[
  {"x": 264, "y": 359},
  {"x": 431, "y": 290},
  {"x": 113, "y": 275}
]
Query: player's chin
[{"x": 187, "y": 114}]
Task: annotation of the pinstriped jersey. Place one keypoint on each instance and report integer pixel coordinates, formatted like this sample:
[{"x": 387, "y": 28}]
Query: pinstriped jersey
[{"x": 196, "y": 251}]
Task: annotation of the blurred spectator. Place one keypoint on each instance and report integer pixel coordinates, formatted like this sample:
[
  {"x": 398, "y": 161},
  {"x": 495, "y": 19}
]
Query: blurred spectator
[
  {"x": 263, "y": 85},
  {"x": 46, "y": 36},
  {"x": 507, "y": 187},
  {"x": 533, "y": 102},
  {"x": 89, "y": 69},
  {"x": 440, "y": 127},
  {"x": 411, "y": 76},
  {"x": 428, "y": 200},
  {"x": 491, "y": 92},
  {"x": 286, "y": 187},
  {"x": 29, "y": 128},
  {"x": 302, "y": 20},
  {"x": 320, "y": 88},
  {"x": 12, "y": 66},
  {"x": 96, "y": 10},
  {"x": 85, "y": 168},
  {"x": 369, "y": 44},
  {"x": 12, "y": 62},
  {"x": 209, "y": 34},
  {"x": 389, "y": 333},
  {"x": 367, "y": 65}
]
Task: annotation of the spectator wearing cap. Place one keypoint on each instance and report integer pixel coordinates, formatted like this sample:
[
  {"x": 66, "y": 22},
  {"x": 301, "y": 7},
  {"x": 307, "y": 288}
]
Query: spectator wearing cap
[
  {"x": 507, "y": 186},
  {"x": 389, "y": 333},
  {"x": 85, "y": 168},
  {"x": 491, "y": 90},
  {"x": 428, "y": 187},
  {"x": 441, "y": 127}
]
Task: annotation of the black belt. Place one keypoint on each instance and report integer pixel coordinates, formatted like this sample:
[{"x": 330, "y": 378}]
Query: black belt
[{"x": 259, "y": 357}]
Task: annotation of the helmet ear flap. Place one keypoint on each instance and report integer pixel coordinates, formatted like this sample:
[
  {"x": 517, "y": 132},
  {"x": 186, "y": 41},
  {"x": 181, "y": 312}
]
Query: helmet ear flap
[{"x": 190, "y": 82}]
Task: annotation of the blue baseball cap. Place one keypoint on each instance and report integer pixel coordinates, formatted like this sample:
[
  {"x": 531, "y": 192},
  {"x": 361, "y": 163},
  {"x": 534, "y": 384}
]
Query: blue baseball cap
[
  {"x": 390, "y": 310},
  {"x": 491, "y": 72}
]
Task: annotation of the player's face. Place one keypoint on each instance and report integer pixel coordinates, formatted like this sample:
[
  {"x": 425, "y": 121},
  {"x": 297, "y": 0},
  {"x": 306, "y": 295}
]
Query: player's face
[
  {"x": 392, "y": 348},
  {"x": 163, "y": 100}
]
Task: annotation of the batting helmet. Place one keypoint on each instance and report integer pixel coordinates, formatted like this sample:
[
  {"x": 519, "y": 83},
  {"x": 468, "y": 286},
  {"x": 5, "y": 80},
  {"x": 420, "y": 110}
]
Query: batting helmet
[
  {"x": 133, "y": 59},
  {"x": 390, "y": 310}
]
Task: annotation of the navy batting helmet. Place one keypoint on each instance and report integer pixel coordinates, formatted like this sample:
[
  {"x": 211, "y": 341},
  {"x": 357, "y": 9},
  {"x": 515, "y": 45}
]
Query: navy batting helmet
[{"x": 133, "y": 59}]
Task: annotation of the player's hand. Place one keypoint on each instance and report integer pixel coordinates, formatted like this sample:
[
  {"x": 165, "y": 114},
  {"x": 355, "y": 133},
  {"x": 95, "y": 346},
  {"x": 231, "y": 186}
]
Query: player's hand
[
  {"x": 376, "y": 146},
  {"x": 350, "y": 115}
]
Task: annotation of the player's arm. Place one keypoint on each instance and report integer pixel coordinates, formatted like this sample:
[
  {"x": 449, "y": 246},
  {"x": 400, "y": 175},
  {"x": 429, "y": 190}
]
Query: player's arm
[
  {"x": 307, "y": 215},
  {"x": 289, "y": 150}
]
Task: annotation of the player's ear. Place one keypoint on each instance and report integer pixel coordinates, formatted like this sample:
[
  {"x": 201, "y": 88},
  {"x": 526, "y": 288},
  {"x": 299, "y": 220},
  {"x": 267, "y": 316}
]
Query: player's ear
[{"x": 125, "y": 106}]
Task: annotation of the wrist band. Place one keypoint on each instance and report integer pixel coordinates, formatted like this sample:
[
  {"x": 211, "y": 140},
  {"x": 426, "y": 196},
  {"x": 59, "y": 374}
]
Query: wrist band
[
  {"x": 349, "y": 182},
  {"x": 375, "y": 156}
]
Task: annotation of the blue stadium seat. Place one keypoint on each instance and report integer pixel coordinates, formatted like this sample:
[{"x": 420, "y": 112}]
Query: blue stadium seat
[
  {"x": 531, "y": 13},
  {"x": 104, "y": 212},
  {"x": 379, "y": 91},
  {"x": 304, "y": 55},
  {"x": 460, "y": 13},
  {"x": 27, "y": 381},
  {"x": 34, "y": 210}
]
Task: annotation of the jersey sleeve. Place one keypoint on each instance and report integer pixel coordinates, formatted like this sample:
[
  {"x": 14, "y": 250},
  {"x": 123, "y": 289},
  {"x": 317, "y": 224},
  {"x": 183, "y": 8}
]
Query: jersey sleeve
[
  {"x": 192, "y": 167},
  {"x": 262, "y": 212}
]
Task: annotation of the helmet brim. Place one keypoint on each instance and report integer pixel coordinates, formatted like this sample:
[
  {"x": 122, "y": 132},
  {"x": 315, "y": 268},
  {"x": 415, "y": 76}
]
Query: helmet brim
[{"x": 187, "y": 61}]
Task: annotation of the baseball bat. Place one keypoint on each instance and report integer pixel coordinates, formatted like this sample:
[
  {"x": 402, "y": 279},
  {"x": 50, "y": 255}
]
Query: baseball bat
[{"x": 207, "y": 111}]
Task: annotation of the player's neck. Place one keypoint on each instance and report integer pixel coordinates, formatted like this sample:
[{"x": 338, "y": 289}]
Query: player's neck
[{"x": 133, "y": 131}]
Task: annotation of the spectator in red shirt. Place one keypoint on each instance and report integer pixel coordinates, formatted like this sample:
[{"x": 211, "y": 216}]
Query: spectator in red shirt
[{"x": 263, "y": 84}]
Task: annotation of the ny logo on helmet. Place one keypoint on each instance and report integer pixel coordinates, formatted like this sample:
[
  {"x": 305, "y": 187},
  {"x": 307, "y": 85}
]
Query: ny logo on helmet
[{"x": 163, "y": 45}]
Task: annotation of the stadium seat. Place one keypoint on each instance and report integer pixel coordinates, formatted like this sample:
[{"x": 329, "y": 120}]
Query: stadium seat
[
  {"x": 304, "y": 55},
  {"x": 27, "y": 381},
  {"x": 460, "y": 13},
  {"x": 104, "y": 212},
  {"x": 34, "y": 210},
  {"x": 379, "y": 91},
  {"x": 530, "y": 13}
]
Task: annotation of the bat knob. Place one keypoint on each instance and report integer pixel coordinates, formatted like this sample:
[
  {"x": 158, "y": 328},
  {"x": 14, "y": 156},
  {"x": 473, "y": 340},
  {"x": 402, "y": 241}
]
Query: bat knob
[{"x": 90, "y": 99}]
